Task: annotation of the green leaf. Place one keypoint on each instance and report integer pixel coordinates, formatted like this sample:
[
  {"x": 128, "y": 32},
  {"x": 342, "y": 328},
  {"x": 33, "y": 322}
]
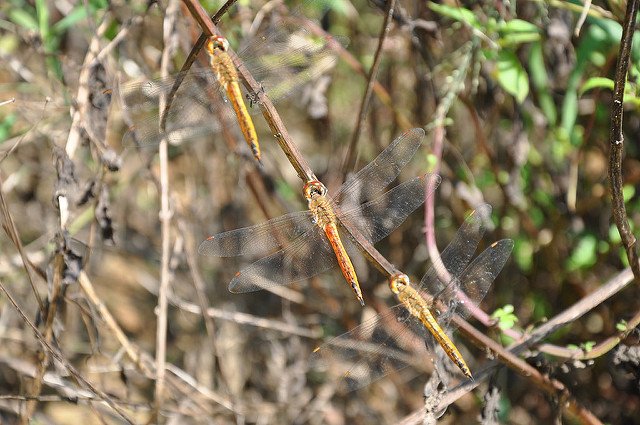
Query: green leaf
[
  {"x": 42, "y": 11},
  {"x": 587, "y": 346},
  {"x": 517, "y": 31},
  {"x": 512, "y": 76},
  {"x": 622, "y": 326},
  {"x": 73, "y": 18},
  {"x": 596, "y": 83},
  {"x": 584, "y": 254},
  {"x": 459, "y": 14},
  {"x": 540, "y": 81},
  {"x": 628, "y": 191},
  {"x": 23, "y": 19},
  {"x": 523, "y": 254},
  {"x": 505, "y": 317}
]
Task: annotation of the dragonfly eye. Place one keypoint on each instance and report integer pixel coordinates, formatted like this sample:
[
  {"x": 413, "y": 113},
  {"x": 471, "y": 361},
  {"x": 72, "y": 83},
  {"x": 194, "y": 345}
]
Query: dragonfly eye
[
  {"x": 217, "y": 43},
  {"x": 313, "y": 189},
  {"x": 398, "y": 282}
]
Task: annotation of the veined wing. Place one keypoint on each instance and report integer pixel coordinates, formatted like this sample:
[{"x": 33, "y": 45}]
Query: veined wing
[
  {"x": 307, "y": 256},
  {"x": 457, "y": 254},
  {"x": 371, "y": 350},
  {"x": 378, "y": 218},
  {"x": 479, "y": 276},
  {"x": 192, "y": 113},
  {"x": 289, "y": 57},
  {"x": 283, "y": 61},
  {"x": 375, "y": 176},
  {"x": 260, "y": 239}
]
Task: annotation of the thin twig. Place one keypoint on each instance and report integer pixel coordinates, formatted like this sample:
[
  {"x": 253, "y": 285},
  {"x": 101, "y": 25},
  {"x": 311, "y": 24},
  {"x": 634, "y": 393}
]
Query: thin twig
[
  {"x": 56, "y": 354},
  {"x": 616, "y": 139},
  {"x": 350, "y": 158},
  {"x": 442, "y": 110},
  {"x": 378, "y": 89},
  {"x": 200, "y": 288},
  {"x": 170, "y": 41},
  {"x": 136, "y": 355}
]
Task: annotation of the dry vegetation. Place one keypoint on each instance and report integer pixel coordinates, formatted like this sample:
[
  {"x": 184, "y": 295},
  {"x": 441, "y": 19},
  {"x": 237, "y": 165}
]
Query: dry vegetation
[{"x": 515, "y": 99}]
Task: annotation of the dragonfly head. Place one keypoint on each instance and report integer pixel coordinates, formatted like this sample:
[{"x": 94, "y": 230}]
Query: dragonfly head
[
  {"x": 313, "y": 189},
  {"x": 398, "y": 282},
  {"x": 217, "y": 43}
]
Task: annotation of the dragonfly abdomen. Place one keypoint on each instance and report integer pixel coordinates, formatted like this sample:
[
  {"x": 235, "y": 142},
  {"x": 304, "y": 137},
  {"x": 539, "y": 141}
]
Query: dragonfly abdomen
[
  {"x": 445, "y": 342},
  {"x": 227, "y": 75},
  {"x": 344, "y": 261}
]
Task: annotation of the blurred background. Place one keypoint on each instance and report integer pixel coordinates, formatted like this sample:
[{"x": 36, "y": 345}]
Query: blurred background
[{"x": 522, "y": 90}]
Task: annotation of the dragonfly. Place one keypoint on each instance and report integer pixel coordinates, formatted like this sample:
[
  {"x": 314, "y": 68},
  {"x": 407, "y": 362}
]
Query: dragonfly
[
  {"x": 283, "y": 61},
  {"x": 375, "y": 348},
  {"x": 302, "y": 244}
]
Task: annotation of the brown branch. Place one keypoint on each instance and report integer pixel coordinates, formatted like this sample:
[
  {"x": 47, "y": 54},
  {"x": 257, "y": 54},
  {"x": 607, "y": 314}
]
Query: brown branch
[
  {"x": 616, "y": 139},
  {"x": 350, "y": 158}
]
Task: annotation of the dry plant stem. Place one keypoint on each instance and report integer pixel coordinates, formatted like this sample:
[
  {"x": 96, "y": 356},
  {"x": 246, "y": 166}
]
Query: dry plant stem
[
  {"x": 442, "y": 110},
  {"x": 12, "y": 231},
  {"x": 595, "y": 11},
  {"x": 616, "y": 139},
  {"x": 200, "y": 287},
  {"x": 582, "y": 18},
  {"x": 56, "y": 354},
  {"x": 350, "y": 159},
  {"x": 248, "y": 319},
  {"x": 137, "y": 356},
  {"x": 82, "y": 97},
  {"x": 165, "y": 220},
  {"x": 105, "y": 315},
  {"x": 43, "y": 355},
  {"x": 552, "y": 387}
]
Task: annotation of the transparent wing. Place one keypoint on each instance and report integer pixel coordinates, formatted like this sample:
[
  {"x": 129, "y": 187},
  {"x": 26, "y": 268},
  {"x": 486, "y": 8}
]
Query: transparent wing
[
  {"x": 260, "y": 239},
  {"x": 373, "y": 349},
  {"x": 282, "y": 61},
  {"x": 457, "y": 254},
  {"x": 307, "y": 256},
  {"x": 196, "y": 111},
  {"x": 480, "y": 274},
  {"x": 289, "y": 57},
  {"x": 377, "y": 175},
  {"x": 378, "y": 218}
]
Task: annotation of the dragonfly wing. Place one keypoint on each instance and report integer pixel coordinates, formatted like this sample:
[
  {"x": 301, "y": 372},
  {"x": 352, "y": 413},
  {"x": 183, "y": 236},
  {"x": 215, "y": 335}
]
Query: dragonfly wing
[
  {"x": 378, "y": 218},
  {"x": 307, "y": 256},
  {"x": 458, "y": 253},
  {"x": 259, "y": 239},
  {"x": 194, "y": 112},
  {"x": 288, "y": 57},
  {"x": 372, "y": 350},
  {"x": 480, "y": 274},
  {"x": 377, "y": 175}
]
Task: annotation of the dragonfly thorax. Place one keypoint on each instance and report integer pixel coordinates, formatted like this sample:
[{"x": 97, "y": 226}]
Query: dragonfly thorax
[{"x": 319, "y": 205}]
